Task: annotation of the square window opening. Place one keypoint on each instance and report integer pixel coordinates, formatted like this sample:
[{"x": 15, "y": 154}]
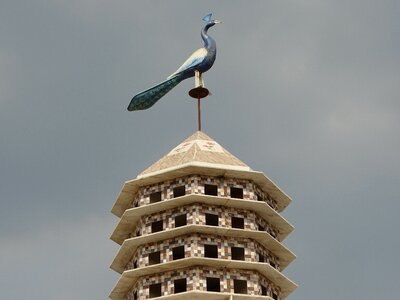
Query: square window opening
[
  {"x": 237, "y": 253},
  {"x": 180, "y": 220},
  {"x": 155, "y": 197},
  {"x": 211, "y": 251},
  {"x": 213, "y": 284},
  {"x": 212, "y": 220},
  {"x": 259, "y": 197},
  {"x": 263, "y": 290},
  {"x": 179, "y": 191},
  {"x": 154, "y": 258},
  {"x": 155, "y": 290},
  {"x": 157, "y": 226},
  {"x": 236, "y": 193},
  {"x": 261, "y": 258},
  {"x": 237, "y": 222},
  {"x": 240, "y": 286},
  {"x": 211, "y": 189},
  {"x": 180, "y": 285},
  {"x": 178, "y": 252}
]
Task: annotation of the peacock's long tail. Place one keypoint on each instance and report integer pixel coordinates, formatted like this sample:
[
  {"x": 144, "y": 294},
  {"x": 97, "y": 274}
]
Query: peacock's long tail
[{"x": 147, "y": 98}]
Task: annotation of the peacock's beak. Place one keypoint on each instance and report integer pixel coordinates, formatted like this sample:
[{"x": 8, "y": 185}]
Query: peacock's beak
[{"x": 217, "y": 22}]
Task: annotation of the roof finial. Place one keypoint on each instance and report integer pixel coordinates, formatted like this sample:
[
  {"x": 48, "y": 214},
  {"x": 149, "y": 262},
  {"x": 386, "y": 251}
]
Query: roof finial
[{"x": 199, "y": 92}]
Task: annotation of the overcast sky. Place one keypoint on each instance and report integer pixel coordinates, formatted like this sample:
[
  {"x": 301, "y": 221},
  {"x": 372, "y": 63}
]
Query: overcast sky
[{"x": 305, "y": 91}]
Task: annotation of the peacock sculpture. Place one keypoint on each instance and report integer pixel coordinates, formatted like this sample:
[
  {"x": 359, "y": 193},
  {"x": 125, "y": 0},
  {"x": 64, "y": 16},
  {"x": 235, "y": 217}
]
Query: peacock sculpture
[{"x": 200, "y": 61}]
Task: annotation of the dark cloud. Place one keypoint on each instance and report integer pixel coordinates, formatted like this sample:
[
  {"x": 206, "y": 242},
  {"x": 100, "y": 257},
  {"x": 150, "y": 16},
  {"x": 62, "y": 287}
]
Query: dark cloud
[{"x": 306, "y": 91}]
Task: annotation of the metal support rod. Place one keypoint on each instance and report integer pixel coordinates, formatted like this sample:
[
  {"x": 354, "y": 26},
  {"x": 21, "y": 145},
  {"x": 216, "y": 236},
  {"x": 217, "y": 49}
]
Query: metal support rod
[{"x": 198, "y": 114}]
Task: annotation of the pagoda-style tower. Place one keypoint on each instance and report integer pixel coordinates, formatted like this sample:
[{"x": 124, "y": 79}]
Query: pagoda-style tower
[{"x": 201, "y": 224}]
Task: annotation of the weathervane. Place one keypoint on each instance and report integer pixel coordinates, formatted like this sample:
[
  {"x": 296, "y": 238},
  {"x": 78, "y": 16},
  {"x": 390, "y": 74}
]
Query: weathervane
[{"x": 199, "y": 62}]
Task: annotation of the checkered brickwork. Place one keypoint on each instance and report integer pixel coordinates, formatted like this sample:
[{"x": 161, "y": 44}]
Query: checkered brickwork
[
  {"x": 194, "y": 247},
  {"x": 194, "y": 184},
  {"x": 195, "y": 214},
  {"x": 194, "y": 243},
  {"x": 196, "y": 280}
]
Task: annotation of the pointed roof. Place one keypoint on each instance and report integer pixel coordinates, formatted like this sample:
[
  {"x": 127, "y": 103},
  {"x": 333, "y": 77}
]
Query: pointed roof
[
  {"x": 198, "y": 154},
  {"x": 199, "y": 148}
]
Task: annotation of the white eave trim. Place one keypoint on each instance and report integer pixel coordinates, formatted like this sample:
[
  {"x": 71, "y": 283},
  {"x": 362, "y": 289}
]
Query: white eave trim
[
  {"x": 262, "y": 209},
  {"x": 129, "y": 246},
  {"x": 130, "y": 187},
  {"x": 129, "y": 277}
]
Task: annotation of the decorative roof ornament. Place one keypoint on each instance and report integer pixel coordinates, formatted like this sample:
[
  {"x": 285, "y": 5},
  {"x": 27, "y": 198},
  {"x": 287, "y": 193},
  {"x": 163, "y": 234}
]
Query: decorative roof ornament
[{"x": 199, "y": 62}]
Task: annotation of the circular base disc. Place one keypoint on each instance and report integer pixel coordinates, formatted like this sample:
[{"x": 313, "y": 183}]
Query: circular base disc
[{"x": 199, "y": 92}]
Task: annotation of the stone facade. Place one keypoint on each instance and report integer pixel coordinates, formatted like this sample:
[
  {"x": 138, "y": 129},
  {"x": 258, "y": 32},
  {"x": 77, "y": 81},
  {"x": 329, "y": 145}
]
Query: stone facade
[
  {"x": 195, "y": 185},
  {"x": 196, "y": 215},
  {"x": 196, "y": 280},
  {"x": 194, "y": 245}
]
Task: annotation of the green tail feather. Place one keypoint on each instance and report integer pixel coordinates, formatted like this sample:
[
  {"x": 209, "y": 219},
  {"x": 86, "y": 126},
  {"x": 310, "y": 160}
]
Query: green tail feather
[{"x": 147, "y": 98}]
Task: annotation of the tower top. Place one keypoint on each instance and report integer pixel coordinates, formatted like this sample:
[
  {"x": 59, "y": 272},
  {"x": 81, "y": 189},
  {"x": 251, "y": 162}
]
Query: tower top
[
  {"x": 200, "y": 150},
  {"x": 196, "y": 195}
]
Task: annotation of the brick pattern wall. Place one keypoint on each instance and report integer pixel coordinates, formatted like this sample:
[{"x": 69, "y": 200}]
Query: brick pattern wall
[
  {"x": 196, "y": 280},
  {"x": 195, "y": 214},
  {"x": 194, "y": 243},
  {"x": 262, "y": 196},
  {"x": 194, "y": 247},
  {"x": 194, "y": 184},
  {"x": 271, "y": 288}
]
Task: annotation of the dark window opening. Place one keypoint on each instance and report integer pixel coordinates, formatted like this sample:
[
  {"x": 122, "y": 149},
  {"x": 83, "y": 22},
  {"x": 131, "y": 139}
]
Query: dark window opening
[
  {"x": 211, "y": 189},
  {"x": 135, "y": 264},
  {"x": 213, "y": 284},
  {"x": 211, "y": 251},
  {"x": 138, "y": 233},
  {"x": 154, "y": 258},
  {"x": 263, "y": 291},
  {"x": 237, "y": 222},
  {"x": 155, "y": 290},
  {"x": 180, "y": 220},
  {"x": 179, "y": 191},
  {"x": 261, "y": 258},
  {"x": 259, "y": 197},
  {"x": 178, "y": 252},
  {"x": 272, "y": 233},
  {"x": 211, "y": 219},
  {"x": 236, "y": 193},
  {"x": 135, "y": 296},
  {"x": 155, "y": 197},
  {"x": 240, "y": 286},
  {"x": 237, "y": 253},
  {"x": 180, "y": 285},
  {"x": 272, "y": 264},
  {"x": 275, "y": 296},
  {"x": 260, "y": 227},
  {"x": 157, "y": 226}
]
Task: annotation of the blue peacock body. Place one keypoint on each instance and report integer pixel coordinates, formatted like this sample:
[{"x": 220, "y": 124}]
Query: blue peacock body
[{"x": 201, "y": 60}]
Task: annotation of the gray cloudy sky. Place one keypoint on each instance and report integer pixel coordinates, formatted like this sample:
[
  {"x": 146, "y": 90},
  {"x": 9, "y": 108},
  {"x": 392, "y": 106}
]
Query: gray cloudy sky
[{"x": 306, "y": 91}]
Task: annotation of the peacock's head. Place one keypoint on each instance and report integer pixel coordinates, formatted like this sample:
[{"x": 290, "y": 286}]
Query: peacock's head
[{"x": 209, "y": 21}]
